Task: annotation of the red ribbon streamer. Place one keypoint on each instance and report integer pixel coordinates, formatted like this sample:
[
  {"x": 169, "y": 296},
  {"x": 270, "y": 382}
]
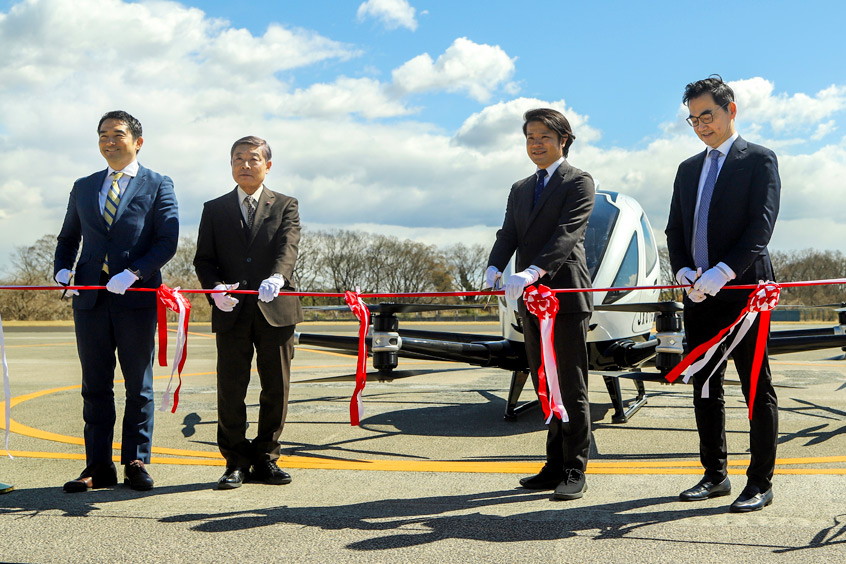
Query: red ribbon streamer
[
  {"x": 359, "y": 308},
  {"x": 762, "y": 301},
  {"x": 543, "y": 304},
  {"x": 171, "y": 299}
]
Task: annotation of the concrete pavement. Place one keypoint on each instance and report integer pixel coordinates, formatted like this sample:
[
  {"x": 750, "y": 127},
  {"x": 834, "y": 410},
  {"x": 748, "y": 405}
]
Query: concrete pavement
[{"x": 430, "y": 475}]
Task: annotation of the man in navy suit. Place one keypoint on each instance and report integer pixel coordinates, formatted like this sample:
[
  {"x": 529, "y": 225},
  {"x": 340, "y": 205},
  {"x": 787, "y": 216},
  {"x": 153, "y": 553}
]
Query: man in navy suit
[
  {"x": 126, "y": 218},
  {"x": 545, "y": 222},
  {"x": 724, "y": 207}
]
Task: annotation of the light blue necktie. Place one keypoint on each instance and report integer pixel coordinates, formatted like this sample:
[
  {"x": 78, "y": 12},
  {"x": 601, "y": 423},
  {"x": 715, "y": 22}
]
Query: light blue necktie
[{"x": 700, "y": 244}]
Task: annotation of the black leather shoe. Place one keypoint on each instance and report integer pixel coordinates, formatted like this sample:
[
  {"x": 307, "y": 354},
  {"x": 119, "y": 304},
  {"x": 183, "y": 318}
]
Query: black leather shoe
[
  {"x": 706, "y": 489},
  {"x": 94, "y": 476},
  {"x": 751, "y": 499},
  {"x": 268, "y": 472},
  {"x": 136, "y": 476},
  {"x": 546, "y": 479},
  {"x": 572, "y": 487},
  {"x": 232, "y": 478}
]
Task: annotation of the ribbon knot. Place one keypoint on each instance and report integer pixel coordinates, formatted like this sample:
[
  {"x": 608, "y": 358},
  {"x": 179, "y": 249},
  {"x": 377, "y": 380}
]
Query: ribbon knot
[
  {"x": 542, "y": 303},
  {"x": 765, "y": 297}
]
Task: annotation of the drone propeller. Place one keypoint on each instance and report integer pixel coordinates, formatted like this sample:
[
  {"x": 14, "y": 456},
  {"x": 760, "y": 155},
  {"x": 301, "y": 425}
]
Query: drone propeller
[
  {"x": 400, "y": 308},
  {"x": 650, "y": 307}
]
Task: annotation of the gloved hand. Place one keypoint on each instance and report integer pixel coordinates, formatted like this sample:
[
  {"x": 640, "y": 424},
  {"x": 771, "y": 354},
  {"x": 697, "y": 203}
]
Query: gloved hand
[
  {"x": 118, "y": 283},
  {"x": 493, "y": 278},
  {"x": 696, "y": 296},
  {"x": 516, "y": 282},
  {"x": 63, "y": 277},
  {"x": 222, "y": 300},
  {"x": 687, "y": 277},
  {"x": 270, "y": 287},
  {"x": 712, "y": 281}
]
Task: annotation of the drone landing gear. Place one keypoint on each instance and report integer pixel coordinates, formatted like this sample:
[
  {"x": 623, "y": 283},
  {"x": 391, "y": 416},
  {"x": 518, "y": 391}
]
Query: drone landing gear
[
  {"x": 512, "y": 410},
  {"x": 622, "y": 413}
]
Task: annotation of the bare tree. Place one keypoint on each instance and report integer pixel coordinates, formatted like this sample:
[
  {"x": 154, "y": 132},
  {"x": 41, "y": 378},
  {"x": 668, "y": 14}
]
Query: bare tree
[
  {"x": 33, "y": 266},
  {"x": 466, "y": 266}
]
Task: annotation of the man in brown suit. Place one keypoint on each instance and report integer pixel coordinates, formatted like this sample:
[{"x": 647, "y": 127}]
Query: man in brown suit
[
  {"x": 545, "y": 222},
  {"x": 248, "y": 239}
]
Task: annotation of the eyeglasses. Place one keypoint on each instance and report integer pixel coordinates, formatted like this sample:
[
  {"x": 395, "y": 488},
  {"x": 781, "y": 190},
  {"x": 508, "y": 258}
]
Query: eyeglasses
[{"x": 705, "y": 117}]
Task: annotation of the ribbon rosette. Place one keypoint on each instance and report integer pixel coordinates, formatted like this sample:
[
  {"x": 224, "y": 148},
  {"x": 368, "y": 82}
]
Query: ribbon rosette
[
  {"x": 359, "y": 308},
  {"x": 171, "y": 299},
  {"x": 543, "y": 304},
  {"x": 762, "y": 301}
]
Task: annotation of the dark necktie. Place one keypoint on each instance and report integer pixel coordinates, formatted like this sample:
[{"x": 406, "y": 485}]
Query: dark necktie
[
  {"x": 539, "y": 184},
  {"x": 700, "y": 244}
]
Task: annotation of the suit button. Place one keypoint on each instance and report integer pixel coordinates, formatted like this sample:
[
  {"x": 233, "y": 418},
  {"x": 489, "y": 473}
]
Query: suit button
[
  {"x": 243, "y": 284},
  {"x": 249, "y": 259}
]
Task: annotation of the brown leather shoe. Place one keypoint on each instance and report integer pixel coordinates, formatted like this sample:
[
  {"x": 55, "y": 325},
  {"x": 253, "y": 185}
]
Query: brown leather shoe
[
  {"x": 137, "y": 477},
  {"x": 94, "y": 476}
]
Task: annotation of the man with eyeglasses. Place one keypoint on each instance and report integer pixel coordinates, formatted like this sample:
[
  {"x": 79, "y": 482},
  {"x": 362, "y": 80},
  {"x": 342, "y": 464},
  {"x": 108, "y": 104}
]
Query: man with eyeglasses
[{"x": 724, "y": 207}]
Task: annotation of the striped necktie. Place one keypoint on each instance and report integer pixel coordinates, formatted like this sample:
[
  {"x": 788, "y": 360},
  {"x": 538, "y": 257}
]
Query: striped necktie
[
  {"x": 251, "y": 211},
  {"x": 110, "y": 210}
]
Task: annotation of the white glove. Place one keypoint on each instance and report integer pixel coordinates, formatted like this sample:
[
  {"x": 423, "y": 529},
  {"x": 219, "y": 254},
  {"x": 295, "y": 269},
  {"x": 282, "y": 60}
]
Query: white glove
[
  {"x": 63, "y": 277},
  {"x": 270, "y": 288},
  {"x": 712, "y": 281},
  {"x": 687, "y": 277},
  {"x": 118, "y": 283},
  {"x": 516, "y": 282},
  {"x": 222, "y": 300},
  {"x": 493, "y": 278},
  {"x": 696, "y": 296}
]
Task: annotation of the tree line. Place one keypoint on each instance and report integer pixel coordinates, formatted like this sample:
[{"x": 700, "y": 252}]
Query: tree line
[
  {"x": 339, "y": 260},
  {"x": 329, "y": 261}
]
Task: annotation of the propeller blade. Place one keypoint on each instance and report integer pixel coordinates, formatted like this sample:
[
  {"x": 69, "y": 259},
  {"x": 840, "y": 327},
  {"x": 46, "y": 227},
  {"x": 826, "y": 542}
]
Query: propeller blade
[{"x": 654, "y": 307}]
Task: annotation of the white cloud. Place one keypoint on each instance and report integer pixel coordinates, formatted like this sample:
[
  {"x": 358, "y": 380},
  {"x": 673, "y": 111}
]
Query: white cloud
[
  {"x": 465, "y": 66},
  {"x": 499, "y": 126},
  {"x": 391, "y": 13}
]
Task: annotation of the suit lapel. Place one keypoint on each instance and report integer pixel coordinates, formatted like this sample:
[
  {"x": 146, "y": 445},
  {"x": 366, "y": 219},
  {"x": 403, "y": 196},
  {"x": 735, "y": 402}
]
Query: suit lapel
[
  {"x": 92, "y": 196},
  {"x": 135, "y": 185},
  {"x": 733, "y": 161}
]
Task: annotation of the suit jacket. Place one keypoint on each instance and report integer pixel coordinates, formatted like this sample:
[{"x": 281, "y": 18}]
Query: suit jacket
[
  {"x": 143, "y": 236},
  {"x": 741, "y": 219},
  {"x": 551, "y": 234},
  {"x": 228, "y": 253}
]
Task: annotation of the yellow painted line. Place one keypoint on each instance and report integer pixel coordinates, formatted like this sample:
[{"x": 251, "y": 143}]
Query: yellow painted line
[
  {"x": 40, "y": 345},
  {"x": 447, "y": 466}
]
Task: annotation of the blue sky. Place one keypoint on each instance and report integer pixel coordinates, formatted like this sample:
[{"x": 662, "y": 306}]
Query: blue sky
[{"x": 402, "y": 116}]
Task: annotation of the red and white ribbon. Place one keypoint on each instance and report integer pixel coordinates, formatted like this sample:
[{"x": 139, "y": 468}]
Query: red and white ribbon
[
  {"x": 762, "y": 301},
  {"x": 542, "y": 303},
  {"x": 173, "y": 300},
  {"x": 7, "y": 394},
  {"x": 359, "y": 308}
]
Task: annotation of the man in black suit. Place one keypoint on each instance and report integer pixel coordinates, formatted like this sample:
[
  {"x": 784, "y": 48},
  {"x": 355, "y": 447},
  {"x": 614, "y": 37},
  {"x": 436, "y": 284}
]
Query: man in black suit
[
  {"x": 545, "y": 221},
  {"x": 126, "y": 218},
  {"x": 248, "y": 239},
  {"x": 724, "y": 207}
]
